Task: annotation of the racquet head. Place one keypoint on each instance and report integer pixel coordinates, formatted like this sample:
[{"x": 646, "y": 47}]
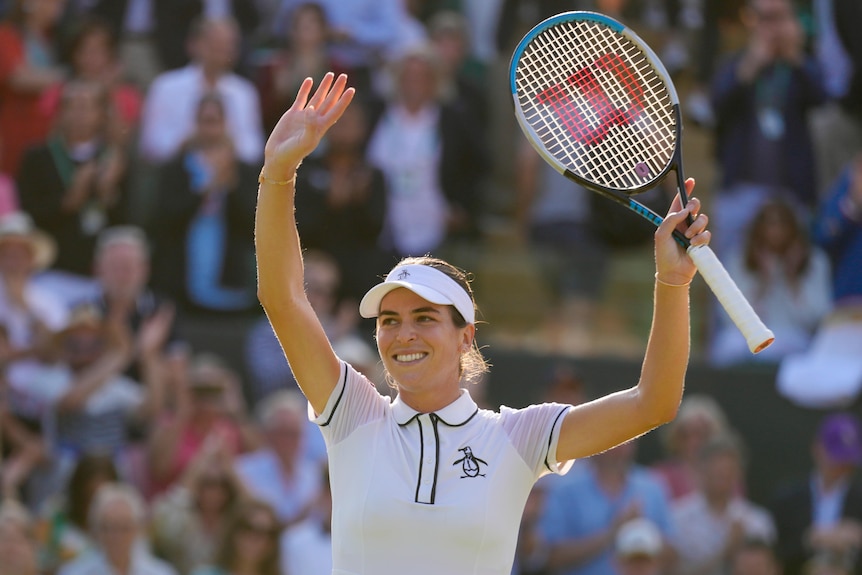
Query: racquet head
[{"x": 596, "y": 102}]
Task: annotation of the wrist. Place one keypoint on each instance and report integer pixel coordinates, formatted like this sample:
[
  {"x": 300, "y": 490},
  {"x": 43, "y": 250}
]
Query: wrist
[
  {"x": 265, "y": 178},
  {"x": 673, "y": 282}
]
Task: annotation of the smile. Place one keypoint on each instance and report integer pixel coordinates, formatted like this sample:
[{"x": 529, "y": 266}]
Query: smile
[{"x": 406, "y": 358}]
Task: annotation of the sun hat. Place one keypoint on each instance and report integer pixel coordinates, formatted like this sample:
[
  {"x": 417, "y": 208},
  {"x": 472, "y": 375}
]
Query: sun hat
[
  {"x": 840, "y": 435},
  {"x": 638, "y": 536},
  {"x": 426, "y": 282},
  {"x": 18, "y": 226}
]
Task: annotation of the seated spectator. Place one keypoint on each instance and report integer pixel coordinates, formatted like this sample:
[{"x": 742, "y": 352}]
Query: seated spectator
[
  {"x": 754, "y": 557},
  {"x": 279, "y": 473},
  {"x": 208, "y": 410},
  {"x": 172, "y": 101},
  {"x": 74, "y": 185},
  {"x": 204, "y": 256},
  {"x": 432, "y": 157},
  {"x": 28, "y": 66},
  {"x": 250, "y": 544},
  {"x": 699, "y": 419},
  {"x": 584, "y": 513},
  {"x": 18, "y": 548},
  {"x": 306, "y": 547},
  {"x": 821, "y": 515},
  {"x": 117, "y": 522},
  {"x": 63, "y": 524},
  {"x": 189, "y": 520},
  {"x": 638, "y": 548},
  {"x": 714, "y": 519},
  {"x": 835, "y": 347},
  {"x": 93, "y": 57},
  {"x": 786, "y": 280}
]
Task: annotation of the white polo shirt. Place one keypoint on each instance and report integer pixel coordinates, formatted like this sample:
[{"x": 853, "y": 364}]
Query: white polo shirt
[{"x": 431, "y": 493}]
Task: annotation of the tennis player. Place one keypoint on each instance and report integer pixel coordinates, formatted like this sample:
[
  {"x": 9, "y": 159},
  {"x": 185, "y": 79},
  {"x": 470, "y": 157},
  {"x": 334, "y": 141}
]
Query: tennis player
[{"x": 430, "y": 483}]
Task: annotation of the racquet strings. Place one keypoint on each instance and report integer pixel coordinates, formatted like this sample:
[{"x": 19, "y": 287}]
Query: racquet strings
[{"x": 597, "y": 105}]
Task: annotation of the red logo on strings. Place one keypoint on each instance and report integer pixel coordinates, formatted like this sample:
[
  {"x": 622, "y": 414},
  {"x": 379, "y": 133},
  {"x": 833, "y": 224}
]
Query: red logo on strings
[{"x": 585, "y": 80}]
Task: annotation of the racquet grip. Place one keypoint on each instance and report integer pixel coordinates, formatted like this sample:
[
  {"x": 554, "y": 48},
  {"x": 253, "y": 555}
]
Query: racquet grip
[{"x": 740, "y": 311}]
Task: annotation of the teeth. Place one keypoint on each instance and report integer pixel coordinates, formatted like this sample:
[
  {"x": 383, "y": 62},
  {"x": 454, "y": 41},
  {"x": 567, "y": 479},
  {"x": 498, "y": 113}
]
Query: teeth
[{"x": 409, "y": 357}]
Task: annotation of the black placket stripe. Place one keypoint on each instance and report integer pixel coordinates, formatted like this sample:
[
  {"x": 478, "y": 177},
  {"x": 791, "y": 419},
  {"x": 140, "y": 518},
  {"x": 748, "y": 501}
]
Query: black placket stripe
[
  {"x": 421, "y": 459},
  {"x": 434, "y": 420}
]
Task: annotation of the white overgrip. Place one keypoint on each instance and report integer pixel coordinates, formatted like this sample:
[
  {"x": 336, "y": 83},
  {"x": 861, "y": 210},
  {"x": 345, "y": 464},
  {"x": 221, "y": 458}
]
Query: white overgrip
[{"x": 740, "y": 311}]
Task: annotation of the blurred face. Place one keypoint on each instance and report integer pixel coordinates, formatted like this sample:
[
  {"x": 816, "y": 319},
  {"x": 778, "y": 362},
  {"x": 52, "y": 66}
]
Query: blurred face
[
  {"x": 721, "y": 475},
  {"x": 420, "y": 344},
  {"x": 208, "y": 399},
  {"x": 417, "y": 83},
  {"x": 93, "y": 56},
  {"x": 308, "y": 28},
  {"x": 122, "y": 269},
  {"x": 773, "y": 19},
  {"x": 452, "y": 48},
  {"x": 321, "y": 283},
  {"x": 349, "y": 131},
  {"x": 17, "y": 550},
  {"x": 210, "y": 122},
  {"x": 284, "y": 432},
  {"x": 212, "y": 492},
  {"x": 16, "y": 257},
  {"x": 692, "y": 434},
  {"x": 43, "y": 13},
  {"x": 219, "y": 47},
  {"x": 777, "y": 231},
  {"x": 83, "y": 114},
  {"x": 754, "y": 562},
  {"x": 256, "y": 535},
  {"x": 116, "y": 529},
  {"x": 83, "y": 345}
]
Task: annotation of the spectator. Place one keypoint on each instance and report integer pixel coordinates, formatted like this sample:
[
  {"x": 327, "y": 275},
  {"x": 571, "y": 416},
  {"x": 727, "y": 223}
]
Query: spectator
[
  {"x": 28, "y": 66},
  {"x": 584, "y": 513},
  {"x": 204, "y": 254},
  {"x": 307, "y": 546},
  {"x": 755, "y": 557},
  {"x": 18, "y": 548},
  {"x": 343, "y": 203},
  {"x": 209, "y": 410},
  {"x": 63, "y": 529},
  {"x": 8, "y": 189},
  {"x": 761, "y": 98},
  {"x": 715, "y": 518},
  {"x": 638, "y": 548},
  {"x": 74, "y": 185},
  {"x": 93, "y": 57},
  {"x": 531, "y": 554},
  {"x": 785, "y": 278},
  {"x": 117, "y": 522},
  {"x": 189, "y": 520},
  {"x": 279, "y": 473},
  {"x": 306, "y": 54},
  {"x": 22, "y": 451},
  {"x": 172, "y": 103},
  {"x": 700, "y": 418},
  {"x": 821, "y": 515},
  {"x": 250, "y": 543},
  {"x": 432, "y": 158}
]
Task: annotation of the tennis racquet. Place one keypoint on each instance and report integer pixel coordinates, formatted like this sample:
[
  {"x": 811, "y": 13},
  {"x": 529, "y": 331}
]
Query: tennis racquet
[{"x": 598, "y": 105}]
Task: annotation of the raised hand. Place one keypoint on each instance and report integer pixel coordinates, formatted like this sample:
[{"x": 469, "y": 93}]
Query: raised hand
[
  {"x": 301, "y": 127},
  {"x": 672, "y": 264}
]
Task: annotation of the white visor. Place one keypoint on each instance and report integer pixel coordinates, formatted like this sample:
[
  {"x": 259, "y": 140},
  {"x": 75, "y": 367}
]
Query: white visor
[{"x": 426, "y": 282}]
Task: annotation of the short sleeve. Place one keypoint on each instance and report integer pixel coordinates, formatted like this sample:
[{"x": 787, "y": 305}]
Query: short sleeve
[
  {"x": 353, "y": 403},
  {"x": 534, "y": 432}
]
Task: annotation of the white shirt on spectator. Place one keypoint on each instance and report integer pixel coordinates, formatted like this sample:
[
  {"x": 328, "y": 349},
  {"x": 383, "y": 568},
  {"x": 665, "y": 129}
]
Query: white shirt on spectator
[
  {"x": 262, "y": 475},
  {"x": 94, "y": 563},
  {"x": 171, "y": 107}
]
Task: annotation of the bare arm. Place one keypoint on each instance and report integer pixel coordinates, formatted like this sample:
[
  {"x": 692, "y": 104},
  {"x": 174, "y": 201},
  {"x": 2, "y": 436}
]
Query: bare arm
[
  {"x": 621, "y": 416},
  {"x": 281, "y": 288}
]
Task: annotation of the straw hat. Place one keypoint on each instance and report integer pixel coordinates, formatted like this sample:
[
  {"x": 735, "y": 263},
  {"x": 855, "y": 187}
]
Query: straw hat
[{"x": 18, "y": 226}]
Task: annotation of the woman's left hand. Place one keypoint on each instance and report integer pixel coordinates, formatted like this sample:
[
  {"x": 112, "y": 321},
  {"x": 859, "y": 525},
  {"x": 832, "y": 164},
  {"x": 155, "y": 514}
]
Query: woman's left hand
[{"x": 673, "y": 265}]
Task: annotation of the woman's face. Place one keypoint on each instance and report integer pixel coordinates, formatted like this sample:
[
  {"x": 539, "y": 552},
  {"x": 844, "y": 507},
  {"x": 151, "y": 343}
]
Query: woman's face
[
  {"x": 309, "y": 29},
  {"x": 420, "y": 345},
  {"x": 16, "y": 257},
  {"x": 777, "y": 231},
  {"x": 417, "y": 82},
  {"x": 212, "y": 492},
  {"x": 43, "y": 13},
  {"x": 692, "y": 434},
  {"x": 83, "y": 113},
  {"x": 256, "y": 535},
  {"x": 93, "y": 56},
  {"x": 210, "y": 122}
]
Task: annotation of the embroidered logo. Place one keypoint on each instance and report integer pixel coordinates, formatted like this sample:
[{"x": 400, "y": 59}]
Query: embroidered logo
[
  {"x": 470, "y": 463},
  {"x": 403, "y": 274}
]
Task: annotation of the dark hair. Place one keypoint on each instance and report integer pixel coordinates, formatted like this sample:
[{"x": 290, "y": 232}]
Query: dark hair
[
  {"x": 725, "y": 443},
  {"x": 473, "y": 363},
  {"x": 88, "y": 467},
  {"x": 797, "y": 235},
  {"x": 238, "y": 521},
  {"x": 92, "y": 26}
]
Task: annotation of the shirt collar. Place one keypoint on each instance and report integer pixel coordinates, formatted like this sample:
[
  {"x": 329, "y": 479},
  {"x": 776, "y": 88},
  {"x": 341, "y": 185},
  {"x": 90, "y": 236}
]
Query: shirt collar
[{"x": 456, "y": 413}]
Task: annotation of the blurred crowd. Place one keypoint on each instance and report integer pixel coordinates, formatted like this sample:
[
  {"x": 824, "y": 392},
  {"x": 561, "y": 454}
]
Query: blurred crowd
[{"x": 131, "y": 138}]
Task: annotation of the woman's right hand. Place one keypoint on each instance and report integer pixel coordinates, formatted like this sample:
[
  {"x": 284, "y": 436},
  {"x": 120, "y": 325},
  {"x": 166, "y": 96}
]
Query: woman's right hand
[{"x": 301, "y": 127}]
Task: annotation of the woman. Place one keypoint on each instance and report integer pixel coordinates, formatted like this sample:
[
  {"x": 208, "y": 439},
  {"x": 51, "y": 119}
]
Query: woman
[
  {"x": 204, "y": 251},
  {"x": 430, "y": 483},
  {"x": 250, "y": 543}
]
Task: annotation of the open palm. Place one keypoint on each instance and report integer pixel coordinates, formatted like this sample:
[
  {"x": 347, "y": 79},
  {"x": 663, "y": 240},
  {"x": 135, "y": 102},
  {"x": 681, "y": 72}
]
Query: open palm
[{"x": 301, "y": 127}]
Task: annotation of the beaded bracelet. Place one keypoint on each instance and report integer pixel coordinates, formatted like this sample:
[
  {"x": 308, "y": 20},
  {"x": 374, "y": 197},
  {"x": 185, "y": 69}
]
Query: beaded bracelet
[
  {"x": 264, "y": 180},
  {"x": 664, "y": 283}
]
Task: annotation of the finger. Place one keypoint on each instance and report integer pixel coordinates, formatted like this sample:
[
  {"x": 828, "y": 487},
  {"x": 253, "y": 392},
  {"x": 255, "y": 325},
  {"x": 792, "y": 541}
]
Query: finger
[
  {"x": 698, "y": 225},
  {"x": 302, "y": 94},
  {"x": 702, "y": 238},
  {"x": 339, "y": 107},
  {"x": 322, "y": 91},
  {"x": 335, "y": 93}
]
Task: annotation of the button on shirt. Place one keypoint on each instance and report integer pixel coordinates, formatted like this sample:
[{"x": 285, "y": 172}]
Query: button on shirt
[{"x": 431, "y": 493}]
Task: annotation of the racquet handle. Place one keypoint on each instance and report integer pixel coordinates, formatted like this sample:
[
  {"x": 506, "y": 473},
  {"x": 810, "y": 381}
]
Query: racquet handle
[{"x": 758, "y": 336}]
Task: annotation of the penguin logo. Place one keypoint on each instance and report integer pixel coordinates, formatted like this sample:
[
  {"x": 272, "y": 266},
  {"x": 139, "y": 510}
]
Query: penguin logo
[
  {"x": 470, "y": 463},
  {"x": 403, "y": 274}
]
